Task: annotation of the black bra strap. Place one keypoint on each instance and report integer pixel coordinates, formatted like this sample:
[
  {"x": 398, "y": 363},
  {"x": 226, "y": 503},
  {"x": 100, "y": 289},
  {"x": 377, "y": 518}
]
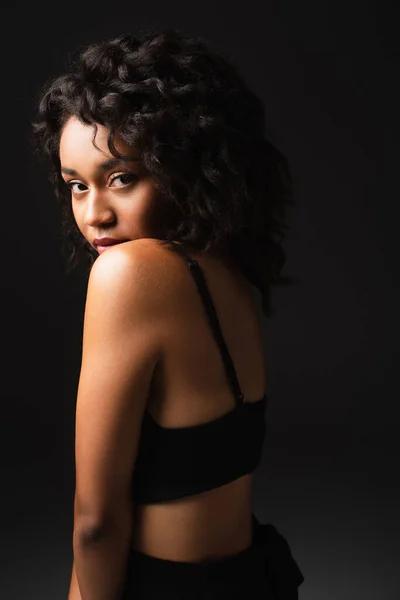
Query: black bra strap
[{"x": 198, "y": 276}]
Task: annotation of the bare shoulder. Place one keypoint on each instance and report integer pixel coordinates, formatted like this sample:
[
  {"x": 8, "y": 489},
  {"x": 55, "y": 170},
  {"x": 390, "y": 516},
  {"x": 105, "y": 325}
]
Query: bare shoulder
[
  {"x": 145, "y": 249},
  {"x": 132, "y": 254},
  {"x": 142, "y": 267}
]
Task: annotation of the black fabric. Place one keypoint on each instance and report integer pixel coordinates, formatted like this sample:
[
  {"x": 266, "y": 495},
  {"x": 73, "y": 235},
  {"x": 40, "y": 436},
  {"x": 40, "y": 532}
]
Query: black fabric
[
  {"x": 264, "y": 571},
  {"x": 177, "y": 462}
]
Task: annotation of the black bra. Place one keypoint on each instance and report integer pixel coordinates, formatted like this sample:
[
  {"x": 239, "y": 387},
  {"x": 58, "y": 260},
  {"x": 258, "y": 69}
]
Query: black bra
[{"x": 177, "y": 462}]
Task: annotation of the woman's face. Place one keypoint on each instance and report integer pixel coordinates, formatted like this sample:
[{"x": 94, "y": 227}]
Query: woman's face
[{"x": 109, "y": 198}]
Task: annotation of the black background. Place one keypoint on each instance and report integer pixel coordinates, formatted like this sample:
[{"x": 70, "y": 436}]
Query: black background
[{"x": 328, "y": 72}]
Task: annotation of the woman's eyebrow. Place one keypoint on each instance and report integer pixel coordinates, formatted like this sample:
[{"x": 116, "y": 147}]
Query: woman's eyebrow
[{"x": 108, "y": 164}]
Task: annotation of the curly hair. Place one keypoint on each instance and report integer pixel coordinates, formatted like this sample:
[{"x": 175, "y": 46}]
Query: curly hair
[{"x": 198, "y": 130}]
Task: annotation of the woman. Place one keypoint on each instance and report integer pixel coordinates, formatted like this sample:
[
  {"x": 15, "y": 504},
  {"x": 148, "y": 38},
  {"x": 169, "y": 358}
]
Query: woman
[{"x": 155, "y": 143}]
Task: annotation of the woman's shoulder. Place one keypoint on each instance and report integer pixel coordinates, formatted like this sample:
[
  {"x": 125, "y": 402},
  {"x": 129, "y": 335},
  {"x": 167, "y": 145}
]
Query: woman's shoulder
[
  {"x": 152, "y": 248},
  {"x": 156, "y": 266}
]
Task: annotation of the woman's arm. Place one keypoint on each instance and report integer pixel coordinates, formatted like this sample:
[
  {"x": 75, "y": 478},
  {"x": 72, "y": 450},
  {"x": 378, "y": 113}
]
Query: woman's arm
[
  {"x": 74, "y": 592},
  {"x": 120, "y": 352},
  {"x": 100, "y": 559}
]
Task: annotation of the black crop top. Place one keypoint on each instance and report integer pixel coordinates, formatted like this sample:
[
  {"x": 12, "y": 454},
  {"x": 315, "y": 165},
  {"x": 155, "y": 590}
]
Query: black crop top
[{"x": 177, "y": 462}]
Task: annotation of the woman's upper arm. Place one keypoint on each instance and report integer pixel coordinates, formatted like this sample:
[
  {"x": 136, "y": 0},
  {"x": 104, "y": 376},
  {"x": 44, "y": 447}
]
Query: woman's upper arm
[{"x": 120, "y": 351}]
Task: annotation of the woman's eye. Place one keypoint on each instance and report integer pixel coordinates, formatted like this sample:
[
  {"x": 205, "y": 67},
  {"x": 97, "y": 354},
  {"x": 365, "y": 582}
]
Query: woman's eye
[
  {"x": 125, "y": 179},
  {"x": 72, "y": 183}
]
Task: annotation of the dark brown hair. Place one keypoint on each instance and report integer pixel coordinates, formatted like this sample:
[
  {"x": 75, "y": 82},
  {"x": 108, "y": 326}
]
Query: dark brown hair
[{"x": 198, "y": 130}]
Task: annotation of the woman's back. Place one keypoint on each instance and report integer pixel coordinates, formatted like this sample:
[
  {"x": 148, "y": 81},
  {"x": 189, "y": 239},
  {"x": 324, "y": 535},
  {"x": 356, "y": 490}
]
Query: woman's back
[{"x": 191, "y": 387}]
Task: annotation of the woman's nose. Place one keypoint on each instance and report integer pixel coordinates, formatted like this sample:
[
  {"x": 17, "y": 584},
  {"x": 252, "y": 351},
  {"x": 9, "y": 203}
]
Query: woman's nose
[{"x": 98, "y": 209}]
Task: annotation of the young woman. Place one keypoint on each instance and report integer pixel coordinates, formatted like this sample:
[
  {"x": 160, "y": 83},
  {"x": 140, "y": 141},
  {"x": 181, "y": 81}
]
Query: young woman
[{"x": 167, "y": 183}]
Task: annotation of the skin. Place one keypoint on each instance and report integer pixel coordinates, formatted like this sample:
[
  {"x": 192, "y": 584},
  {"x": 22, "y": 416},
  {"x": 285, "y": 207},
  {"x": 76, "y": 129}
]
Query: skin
[
  {"x": 120, "y": 201},
  {"x": 129, "y": 208}
]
